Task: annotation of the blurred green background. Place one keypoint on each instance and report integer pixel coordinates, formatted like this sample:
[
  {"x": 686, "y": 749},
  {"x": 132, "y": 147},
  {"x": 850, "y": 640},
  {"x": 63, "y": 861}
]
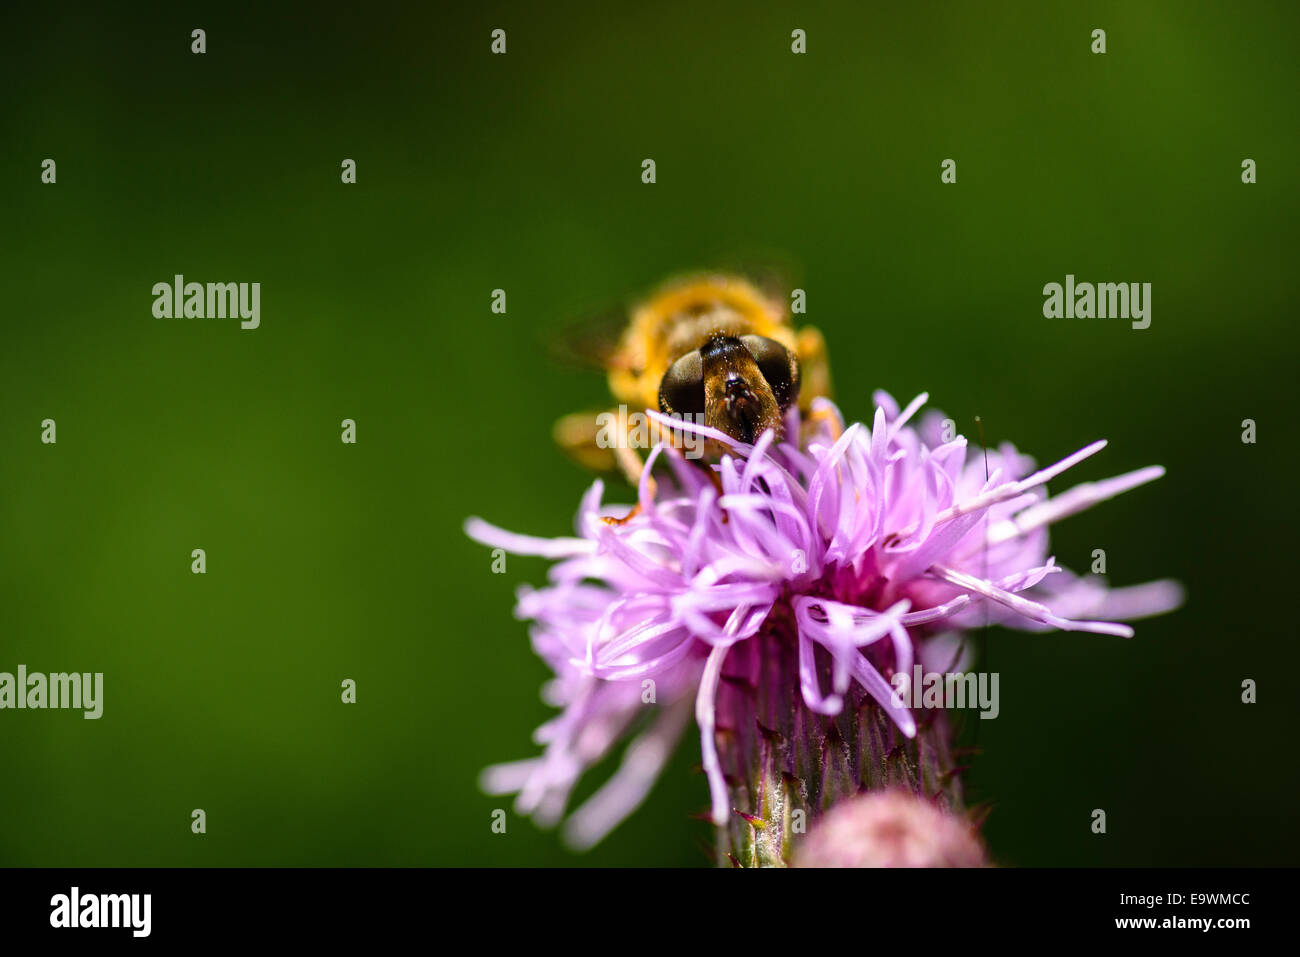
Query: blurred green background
[{"x": 328, "y": 561}]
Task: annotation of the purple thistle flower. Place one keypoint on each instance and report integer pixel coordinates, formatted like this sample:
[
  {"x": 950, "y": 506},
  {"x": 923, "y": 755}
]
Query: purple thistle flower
[{"x": 850, "y": 556}]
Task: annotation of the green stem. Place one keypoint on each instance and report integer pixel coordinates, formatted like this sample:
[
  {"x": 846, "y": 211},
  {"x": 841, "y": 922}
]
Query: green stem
[{"x": 786, "y": 765}]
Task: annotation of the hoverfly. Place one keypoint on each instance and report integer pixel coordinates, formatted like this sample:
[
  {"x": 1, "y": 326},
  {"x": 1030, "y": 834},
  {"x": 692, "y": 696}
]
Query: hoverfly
[{"x": 713, "y": 348}]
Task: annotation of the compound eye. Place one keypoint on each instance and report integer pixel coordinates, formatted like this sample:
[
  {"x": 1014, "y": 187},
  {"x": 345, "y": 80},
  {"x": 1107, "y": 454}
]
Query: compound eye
[
  {"x": 682, "y": 390},
  {"x": 779, "y": 367}
]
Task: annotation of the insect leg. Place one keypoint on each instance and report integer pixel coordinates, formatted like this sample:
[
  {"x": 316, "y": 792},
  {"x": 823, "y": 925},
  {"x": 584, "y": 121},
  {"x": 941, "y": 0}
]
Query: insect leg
[
  {"x": 629, "y": 461},
  {"x": 814, "y": 365}
]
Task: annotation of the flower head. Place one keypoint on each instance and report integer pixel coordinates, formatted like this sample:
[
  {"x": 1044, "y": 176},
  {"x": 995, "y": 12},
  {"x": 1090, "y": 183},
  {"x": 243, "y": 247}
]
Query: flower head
[
  {"x": 890, "y": 829},
  {"x": 870, "y": 546}
]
